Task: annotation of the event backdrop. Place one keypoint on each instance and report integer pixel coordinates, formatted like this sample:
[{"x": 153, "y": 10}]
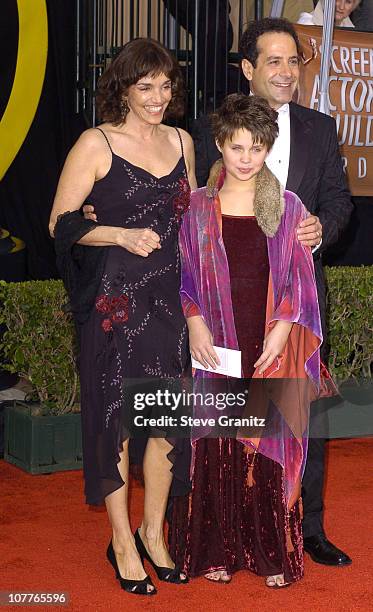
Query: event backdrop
[
  {"x": 38, "y": 147},
  {"x": 350, "y": 97},
  {"x": 28, "y": 79},
  {"x": 28, "y": 185}
]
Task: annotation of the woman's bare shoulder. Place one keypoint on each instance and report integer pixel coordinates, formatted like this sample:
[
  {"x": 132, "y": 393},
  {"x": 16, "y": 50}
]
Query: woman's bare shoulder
[
  {"x": 92, "y": 139},
  {"x": 92, "y": 147},
  {"x": 186, "y": 138},
  {"x": 174, "y": 134}
]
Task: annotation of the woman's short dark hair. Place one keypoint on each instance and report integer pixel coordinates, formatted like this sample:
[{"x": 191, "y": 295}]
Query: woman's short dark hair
[
  {"x": 248, "y": 45},
  {"x": 241, "y": 112},
  {"x": 138, "y": 58}
]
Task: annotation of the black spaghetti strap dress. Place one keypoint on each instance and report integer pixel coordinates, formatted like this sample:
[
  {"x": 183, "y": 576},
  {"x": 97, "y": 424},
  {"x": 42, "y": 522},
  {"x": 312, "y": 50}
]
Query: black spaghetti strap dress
[{"x": 136, "y": 329}]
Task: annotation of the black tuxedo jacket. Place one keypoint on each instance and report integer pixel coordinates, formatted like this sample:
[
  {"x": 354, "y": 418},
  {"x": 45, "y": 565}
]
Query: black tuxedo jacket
[{"x": 315, "y": 175}]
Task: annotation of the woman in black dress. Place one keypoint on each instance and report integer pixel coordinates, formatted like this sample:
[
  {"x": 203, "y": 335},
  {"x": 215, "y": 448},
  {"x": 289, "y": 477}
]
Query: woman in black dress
[{"x": 137, "y": 173}]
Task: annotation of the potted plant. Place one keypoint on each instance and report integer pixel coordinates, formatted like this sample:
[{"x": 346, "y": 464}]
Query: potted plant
[{"x": 42, "y": 434}]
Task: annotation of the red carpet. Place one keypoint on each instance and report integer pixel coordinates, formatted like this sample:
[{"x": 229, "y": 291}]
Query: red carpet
[{"x": 51, "y": 542}]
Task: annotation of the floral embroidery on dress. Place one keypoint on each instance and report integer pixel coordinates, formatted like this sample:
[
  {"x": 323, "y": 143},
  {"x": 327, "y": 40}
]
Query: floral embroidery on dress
[
  {"x": 137, "y": 183},
  {"x": 153, "y": 185},
  {"x": 156, "y": 371},
  {"x": 103, "y": 304},
  {"x": 182, "y": 201},
  {"x": 120, "y": 316},
  {"x": 106, "y": 325},
  {"x": 116, "y": 307}
]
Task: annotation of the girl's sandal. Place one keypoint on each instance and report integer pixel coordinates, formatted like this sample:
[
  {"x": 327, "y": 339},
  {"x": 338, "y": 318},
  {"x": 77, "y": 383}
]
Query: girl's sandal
[
  {"x": 276, "y": 582},
  {"x": 220, "y": 576}
]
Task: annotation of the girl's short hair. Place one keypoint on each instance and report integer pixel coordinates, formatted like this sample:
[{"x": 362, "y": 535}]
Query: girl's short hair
[
  {"x": 138, "y": 58},
  {"x": 242, "y": 112}
]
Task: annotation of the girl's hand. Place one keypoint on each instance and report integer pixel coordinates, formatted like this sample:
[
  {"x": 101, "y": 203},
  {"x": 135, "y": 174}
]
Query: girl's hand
[
  {"x": 138, "y": 241},
  {"x": 273, "y": 345},
  {"x": 200, "y": 343}
]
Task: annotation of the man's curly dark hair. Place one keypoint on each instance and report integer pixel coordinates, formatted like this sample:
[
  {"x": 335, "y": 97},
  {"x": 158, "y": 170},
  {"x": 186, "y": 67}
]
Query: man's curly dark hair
[
  {"x": 248, "y": 46},
  {"x": 137, "y": 59}
]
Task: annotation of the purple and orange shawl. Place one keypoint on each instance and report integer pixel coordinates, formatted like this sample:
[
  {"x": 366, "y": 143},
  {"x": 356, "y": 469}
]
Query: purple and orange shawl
[{"x": 292, "y": 296}]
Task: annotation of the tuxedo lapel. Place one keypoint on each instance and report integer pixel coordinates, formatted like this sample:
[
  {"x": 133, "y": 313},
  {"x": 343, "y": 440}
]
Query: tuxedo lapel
[{"x": 299, "y": 149}]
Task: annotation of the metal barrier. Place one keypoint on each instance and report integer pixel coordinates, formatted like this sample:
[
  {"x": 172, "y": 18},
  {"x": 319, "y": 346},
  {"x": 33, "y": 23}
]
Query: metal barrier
[{"x": 203, "y": 34}]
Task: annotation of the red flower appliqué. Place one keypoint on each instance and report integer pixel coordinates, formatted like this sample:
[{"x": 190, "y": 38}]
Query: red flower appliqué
[
  {"x": 116, "y": 307},
  {"x": 103, "y": 304},
  {"x": 182, "y": 200},
  {"x": 106, "y": 325},
  {"x": 120, "y": 316}
]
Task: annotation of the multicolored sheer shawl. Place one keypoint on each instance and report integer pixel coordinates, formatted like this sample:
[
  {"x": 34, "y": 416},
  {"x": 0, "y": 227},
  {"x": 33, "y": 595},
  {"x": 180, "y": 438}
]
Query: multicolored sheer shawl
[{"x": 292, "y": 296}]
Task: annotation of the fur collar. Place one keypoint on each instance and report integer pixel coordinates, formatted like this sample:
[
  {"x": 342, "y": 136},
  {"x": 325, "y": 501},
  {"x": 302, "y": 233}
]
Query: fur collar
[{"x": 269, "y": 200}]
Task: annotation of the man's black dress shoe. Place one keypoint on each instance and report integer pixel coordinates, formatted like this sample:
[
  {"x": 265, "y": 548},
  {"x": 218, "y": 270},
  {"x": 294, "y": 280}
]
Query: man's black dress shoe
[{"x": 322, "y": 551}]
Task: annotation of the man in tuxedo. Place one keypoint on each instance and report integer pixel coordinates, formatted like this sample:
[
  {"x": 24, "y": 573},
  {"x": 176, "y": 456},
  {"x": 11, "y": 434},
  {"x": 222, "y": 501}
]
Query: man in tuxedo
[{"x": 306, "y": 160}]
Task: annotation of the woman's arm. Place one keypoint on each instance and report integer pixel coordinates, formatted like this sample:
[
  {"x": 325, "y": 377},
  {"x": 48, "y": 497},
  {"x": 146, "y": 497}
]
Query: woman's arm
[
  {"x": 87, "y": 162},
  {"x": 83, "y": 166}
]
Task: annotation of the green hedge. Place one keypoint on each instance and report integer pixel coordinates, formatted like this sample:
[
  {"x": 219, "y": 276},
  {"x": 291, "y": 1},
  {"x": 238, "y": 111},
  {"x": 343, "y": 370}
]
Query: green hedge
[
  {"x": 39, "y": 342},
  {"x": 350, "y": 322}
]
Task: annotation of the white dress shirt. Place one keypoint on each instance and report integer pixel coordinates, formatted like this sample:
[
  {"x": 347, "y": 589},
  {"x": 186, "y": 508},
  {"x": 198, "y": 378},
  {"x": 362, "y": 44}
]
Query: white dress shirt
[{"x": 279, "y": 156}]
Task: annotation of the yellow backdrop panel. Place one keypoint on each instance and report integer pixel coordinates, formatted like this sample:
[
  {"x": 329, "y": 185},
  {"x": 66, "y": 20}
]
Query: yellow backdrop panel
[{"x": 28, "y": 79}]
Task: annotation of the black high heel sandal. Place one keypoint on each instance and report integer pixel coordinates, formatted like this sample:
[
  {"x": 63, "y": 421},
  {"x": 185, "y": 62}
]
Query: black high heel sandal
[
  {"x": 137, "y": 587},
  {"x": 167, "y": 574}
]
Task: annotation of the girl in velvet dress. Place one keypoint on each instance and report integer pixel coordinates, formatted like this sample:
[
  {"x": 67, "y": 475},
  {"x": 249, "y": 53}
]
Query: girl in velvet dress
[{"x": 248, "y": 284}]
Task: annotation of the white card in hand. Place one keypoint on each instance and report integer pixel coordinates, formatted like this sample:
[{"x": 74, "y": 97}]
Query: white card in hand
[{"x": 230, "y": 362}]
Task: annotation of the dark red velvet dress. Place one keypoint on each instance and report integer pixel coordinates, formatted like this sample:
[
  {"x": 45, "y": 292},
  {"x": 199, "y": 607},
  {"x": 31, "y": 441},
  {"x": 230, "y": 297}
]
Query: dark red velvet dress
[{"x": 230, "y": 521}]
